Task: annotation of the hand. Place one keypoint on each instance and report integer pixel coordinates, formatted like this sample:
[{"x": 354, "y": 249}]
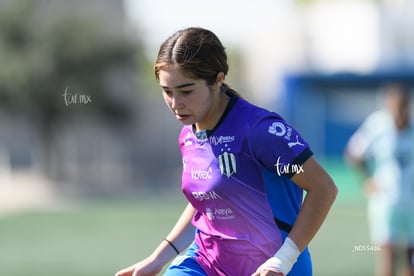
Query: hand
[
  {"x": 371, "y": 187},
  {"x": 146, "y": 267},
  {"x": 265, "y": 272},
  {"x": 282, "y": 262},
  {"x": 271, "y": 267}
]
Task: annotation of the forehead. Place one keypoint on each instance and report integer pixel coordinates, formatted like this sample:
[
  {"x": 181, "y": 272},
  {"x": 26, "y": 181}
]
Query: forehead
[{"x": 173, "y": 77}]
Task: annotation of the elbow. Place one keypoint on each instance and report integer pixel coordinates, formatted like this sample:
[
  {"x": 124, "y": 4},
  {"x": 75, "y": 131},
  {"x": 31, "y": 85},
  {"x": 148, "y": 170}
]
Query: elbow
[
  {"x": 353, "y": 160},
  {"x": 331, "y": 191},
  {"x": 325, "y": 193}
]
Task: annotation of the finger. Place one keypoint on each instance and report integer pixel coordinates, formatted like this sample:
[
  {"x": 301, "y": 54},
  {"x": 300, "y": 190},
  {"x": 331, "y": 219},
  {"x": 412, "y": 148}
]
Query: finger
[
  {"x": 123, "y": 272},
  {"x": 272, "y": 273},
  {"x": 256, "y": 273},
  {"x": 266, "y": 272}
]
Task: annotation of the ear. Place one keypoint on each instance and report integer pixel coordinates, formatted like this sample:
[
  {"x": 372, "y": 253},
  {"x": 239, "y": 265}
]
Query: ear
[{"x": 219, "y": 79}]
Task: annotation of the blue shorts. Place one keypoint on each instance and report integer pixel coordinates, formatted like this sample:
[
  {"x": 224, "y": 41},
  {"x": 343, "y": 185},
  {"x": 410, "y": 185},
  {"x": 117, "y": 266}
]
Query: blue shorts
[{"x": 186, "y": 264}]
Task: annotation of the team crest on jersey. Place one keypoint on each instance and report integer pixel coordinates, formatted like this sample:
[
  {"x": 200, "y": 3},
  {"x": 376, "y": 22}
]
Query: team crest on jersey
[
  {"x": 278, "y": 129},
  {"x": 227, "y": 163}
]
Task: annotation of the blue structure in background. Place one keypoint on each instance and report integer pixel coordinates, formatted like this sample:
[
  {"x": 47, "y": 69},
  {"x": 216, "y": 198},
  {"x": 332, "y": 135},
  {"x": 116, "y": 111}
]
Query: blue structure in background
[{"x": 327, "y": 108}]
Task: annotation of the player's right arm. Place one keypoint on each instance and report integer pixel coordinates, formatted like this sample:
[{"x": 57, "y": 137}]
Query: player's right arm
[
  {"x": 355, "y": 152},
  {"x": 358, "y": 148},
  {"x": 180, "y": 236}
]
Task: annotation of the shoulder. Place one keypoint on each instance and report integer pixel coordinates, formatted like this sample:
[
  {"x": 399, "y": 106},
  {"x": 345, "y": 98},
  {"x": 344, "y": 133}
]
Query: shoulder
[
  {"x": 269, "y": 130},
  {"x": 262, "y": 121},
  {"x": 254, "y": 115},
  {"x": 376, "y": 123},
  {"x": 378, "y": 118}
]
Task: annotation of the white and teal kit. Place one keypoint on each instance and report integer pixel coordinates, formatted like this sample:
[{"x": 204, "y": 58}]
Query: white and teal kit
[{"x": 389, "y": 154}]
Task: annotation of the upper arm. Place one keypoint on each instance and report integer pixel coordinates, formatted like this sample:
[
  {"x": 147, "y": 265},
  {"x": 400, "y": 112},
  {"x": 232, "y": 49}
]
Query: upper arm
[
  {"x": 313, "y": 176},
  {"x": 277, "y": 146}
]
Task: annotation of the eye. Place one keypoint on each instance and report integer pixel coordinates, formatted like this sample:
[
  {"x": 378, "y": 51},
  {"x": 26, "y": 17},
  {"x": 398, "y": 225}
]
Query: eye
[
  {"x": 167, "y": 92},
  {"x": 187, "y": 92}
]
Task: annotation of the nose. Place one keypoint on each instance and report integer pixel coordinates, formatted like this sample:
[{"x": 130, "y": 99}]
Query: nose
[{"x": 176, "y": 102}]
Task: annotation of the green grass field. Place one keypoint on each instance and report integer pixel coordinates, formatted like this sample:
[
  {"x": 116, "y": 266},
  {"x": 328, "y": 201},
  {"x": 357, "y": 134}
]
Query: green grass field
[{"x": 100, "y": 237}]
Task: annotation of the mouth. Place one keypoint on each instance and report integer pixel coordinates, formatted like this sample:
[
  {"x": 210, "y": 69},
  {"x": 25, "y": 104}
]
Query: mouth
[{"x": 181, "y": 117}]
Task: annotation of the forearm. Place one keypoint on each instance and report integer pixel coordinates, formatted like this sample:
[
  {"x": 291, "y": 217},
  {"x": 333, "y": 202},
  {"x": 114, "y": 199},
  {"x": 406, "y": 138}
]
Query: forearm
[
  {"x": 321, "y": 193},
  {"x": 359, "y": 164},
  {"x": 183, "y": 232},
  {"x": 319, "y": 199},
  {"x": 180, "y": 236},
  {"x": 314, "y": 210}
]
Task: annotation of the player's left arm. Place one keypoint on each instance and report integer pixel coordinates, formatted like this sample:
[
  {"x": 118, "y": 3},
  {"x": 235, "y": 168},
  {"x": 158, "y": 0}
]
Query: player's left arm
[
  {"x": 279, "y": 141},
  {"x": 321, "y": 193}
]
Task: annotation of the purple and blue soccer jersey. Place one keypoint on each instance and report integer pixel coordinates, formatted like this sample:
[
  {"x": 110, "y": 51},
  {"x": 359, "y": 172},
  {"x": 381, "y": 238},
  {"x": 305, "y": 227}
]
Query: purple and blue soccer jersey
[{"x": 223, "y": 179}]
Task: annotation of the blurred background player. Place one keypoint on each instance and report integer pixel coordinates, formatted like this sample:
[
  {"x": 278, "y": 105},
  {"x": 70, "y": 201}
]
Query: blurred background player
[{"x": 383, "y": 150}]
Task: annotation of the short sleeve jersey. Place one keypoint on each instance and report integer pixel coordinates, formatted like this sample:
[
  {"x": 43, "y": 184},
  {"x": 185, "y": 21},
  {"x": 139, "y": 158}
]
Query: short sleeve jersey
[
  {"x": 389, "y": 154},
  {"x": 223, "y": 179}
]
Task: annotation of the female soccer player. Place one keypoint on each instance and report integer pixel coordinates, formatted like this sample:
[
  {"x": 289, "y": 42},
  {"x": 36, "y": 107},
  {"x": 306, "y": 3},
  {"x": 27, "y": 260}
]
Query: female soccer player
[
  {"x": 382, "y": 149},
  {"x": 226, "y": 145}
]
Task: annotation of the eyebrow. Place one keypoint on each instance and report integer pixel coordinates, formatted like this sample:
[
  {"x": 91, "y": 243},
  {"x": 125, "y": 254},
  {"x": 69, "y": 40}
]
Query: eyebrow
[{"x": 181, "y": 85}]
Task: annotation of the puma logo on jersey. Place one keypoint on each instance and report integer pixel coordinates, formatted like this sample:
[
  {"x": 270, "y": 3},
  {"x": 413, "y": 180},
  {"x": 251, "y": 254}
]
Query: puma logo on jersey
[{"x": 297, "y": 143}]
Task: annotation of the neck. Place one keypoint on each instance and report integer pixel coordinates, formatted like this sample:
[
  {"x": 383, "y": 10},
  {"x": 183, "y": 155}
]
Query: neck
[{"x": 215, "y": 113}]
